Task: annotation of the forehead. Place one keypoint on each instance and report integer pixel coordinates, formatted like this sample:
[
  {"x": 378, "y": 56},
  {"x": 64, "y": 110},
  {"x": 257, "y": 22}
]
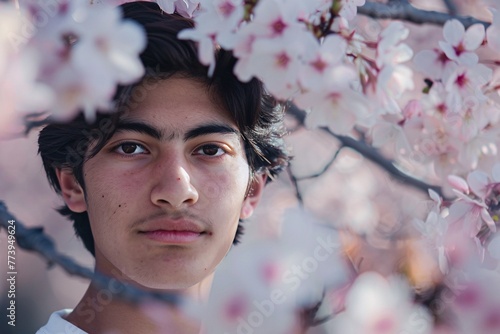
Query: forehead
[{"x": 174, "y": 104}]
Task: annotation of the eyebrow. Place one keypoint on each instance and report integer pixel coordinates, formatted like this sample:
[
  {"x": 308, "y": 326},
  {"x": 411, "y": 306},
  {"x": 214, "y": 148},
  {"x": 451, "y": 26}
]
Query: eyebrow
[
  {"x": 158, "y": 134},
  {"x": 209, "y": 129},
  {"x": 139, "y": 127}
]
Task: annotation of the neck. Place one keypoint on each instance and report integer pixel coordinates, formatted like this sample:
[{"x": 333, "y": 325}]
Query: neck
[{"x": 101, "y": 310}]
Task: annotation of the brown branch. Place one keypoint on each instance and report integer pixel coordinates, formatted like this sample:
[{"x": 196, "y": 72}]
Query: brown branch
[
  {"x": 370, "y": 153},
  {"x": 324, "y": 169},
  {"x": 375, "y": 156},
  {"x": 452, "y": 7},
  {"x": 34, "y": 239},
  {"x": 405, "y": 11},
  {"x": 295, "y": 184}
]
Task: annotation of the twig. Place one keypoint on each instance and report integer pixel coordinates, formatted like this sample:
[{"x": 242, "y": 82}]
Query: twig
[
  {"x": 295, "y": 185},
  {"x": 401, "y": 11},
  {"x": 34, "y": 239},
  {"x": 374, "y": 155},
  {"x": 323, "y": 171},
  {"x": 452, "y": 7},
  {"x": 370, "y": 153}
]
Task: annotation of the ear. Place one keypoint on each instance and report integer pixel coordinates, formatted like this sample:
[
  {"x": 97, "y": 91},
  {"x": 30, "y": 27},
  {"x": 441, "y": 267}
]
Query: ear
[
  {"x": 253, "y": 196},
  {"x": 71, "y": 191}
]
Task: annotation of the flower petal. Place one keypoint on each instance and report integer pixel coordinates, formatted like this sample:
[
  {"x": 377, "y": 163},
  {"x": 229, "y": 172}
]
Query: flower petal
[
  {"x": 458, "y": 183},
  {"x": 478, "y": 182},
  {"x": 474, "y": 37},
  {"x": 495, "y": 172},
  {"x": 453, "y": 32},
  {"x": 494, "y": 248},
  {"x": 488, "y": 220}
]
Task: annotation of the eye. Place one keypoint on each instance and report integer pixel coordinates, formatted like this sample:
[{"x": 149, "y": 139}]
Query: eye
[
  {"x": 210, "y": 150},
  {"x": 130, "y": 148}
]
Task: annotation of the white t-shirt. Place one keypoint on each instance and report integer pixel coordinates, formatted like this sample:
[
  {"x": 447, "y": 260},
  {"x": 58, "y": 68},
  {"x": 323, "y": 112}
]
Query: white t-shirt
[{"x": 58, "y": 325}]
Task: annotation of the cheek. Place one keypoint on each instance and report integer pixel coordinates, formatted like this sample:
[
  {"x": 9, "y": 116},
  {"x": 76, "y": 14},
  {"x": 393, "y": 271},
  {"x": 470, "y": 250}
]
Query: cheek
[
  {"x": 225, "y": 187},
  {"x": 108, "y": 194}
]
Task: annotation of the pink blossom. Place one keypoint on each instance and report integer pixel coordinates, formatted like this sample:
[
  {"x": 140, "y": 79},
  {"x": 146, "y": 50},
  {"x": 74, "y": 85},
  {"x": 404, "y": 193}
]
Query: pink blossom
[
  {"x": 313, "y": 9},
  {"x": 185, "y": 8},
  {"x": 376, "y": 305},
  {"x": 464, "y": 83},
  {"x": 470, "y": 212},
  {"x": 393, "y": 78},
  {"x": 319, "y": 59},
  {"x": 476, "y": 303},
  {"x": 459, "y": 45},
  {"x": 86, "y": 51},
  {"x": 350, "y": 8},
  {"x": 216, "y": 22},
  {"x": 20, "y": 91},
  {"x": 335, "y": 105},
  {"x": 477, "y": 204},
  {"x": 434, "y": 231},
  {"x": 274, "y": 17},
  {"x": 262, "y": 285},
  {"x": 276, "y": 61},
  {"x": 389, "y": 47},
  {"x": 206, "y": 47},
  {"x": 271, "y": 46},
  {"x": 433, "y": 63},
  {"x": 493, "y": 31},
  {"x": 494, "y": 247}
]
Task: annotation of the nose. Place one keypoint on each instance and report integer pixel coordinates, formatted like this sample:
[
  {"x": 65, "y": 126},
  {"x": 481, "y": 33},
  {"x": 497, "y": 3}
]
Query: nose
[{"x": 173, "y": 186}]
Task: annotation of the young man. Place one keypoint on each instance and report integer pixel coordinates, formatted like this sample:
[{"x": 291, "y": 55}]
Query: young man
[{"x": 158, "y": 189}]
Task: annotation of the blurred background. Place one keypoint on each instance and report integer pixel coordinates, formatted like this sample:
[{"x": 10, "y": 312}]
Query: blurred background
[{"x": 351, "y": 192}]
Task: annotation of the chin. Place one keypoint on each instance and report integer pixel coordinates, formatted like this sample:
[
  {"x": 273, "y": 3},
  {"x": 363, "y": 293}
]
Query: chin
[{"x": 172, "y": 283}]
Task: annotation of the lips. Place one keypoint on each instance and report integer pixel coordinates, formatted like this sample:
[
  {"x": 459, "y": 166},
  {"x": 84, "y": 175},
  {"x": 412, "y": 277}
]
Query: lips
[
  {"x": 173, "y": 237},
  {"x": 173, "y": 231}
]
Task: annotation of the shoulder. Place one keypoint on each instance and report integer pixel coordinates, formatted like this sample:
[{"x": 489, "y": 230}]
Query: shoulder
[{"x": 58, "y": 325}]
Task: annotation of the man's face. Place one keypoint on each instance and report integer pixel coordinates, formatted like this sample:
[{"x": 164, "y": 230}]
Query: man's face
[{"x": 165, "y": 193}]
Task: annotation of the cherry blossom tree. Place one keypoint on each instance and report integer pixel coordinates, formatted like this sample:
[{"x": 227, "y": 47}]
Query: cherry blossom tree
[{"x": 356, "y": 256}]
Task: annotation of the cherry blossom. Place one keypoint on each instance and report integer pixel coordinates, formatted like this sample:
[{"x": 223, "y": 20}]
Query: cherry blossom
[
  {"x": 446, "y": 129},
  {"x": 18, "y": 68},
  {"x": 476, "y": 304},
  {"x": 262, "y": 286},
  {"x": 313, "y": 9},
  {"x": 434, "y": 230},
  {"x": 80, "y": 37},
  {"x": 319, "y": 59},
  {"x": 459, "y": 44},
  {"x": 476, "y": 210},
  {"x": 273, "y": 18},
  {"x": 393, "y": 78},
  {"x": 215, "y": 23},
  {"x": 493, "y": 32},
  {"x": 376, "y": 305},
  {"x": 350, "y": 8},
  {"x": 271, "y": 46},
  {"x": 185, "y": 8},
  {"x": 471, "y": 212},
  {"x": 277, "y": 61},
  {"x": 466, "y": 82},
  {"x": 433, "y": 63},
  {"x": 335, "y": 105}
]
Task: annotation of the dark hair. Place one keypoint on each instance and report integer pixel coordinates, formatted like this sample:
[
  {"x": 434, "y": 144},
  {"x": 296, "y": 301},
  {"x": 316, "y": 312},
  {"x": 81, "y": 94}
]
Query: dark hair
[{"x": 258, "y": 117}]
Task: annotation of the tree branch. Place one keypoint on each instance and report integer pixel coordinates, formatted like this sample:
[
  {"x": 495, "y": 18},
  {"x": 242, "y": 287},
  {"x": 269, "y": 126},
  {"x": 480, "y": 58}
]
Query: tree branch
[
  {"x": 295, "y": 184},
  {"x": 405, "y": 11},
  {"x": 368, "y": 152},
  {"x": 374, "y": 155},
  {"x": 323, "y": 171},
  {"x": 34, "y": 239},
  {"x": 452, "y": 7}
]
